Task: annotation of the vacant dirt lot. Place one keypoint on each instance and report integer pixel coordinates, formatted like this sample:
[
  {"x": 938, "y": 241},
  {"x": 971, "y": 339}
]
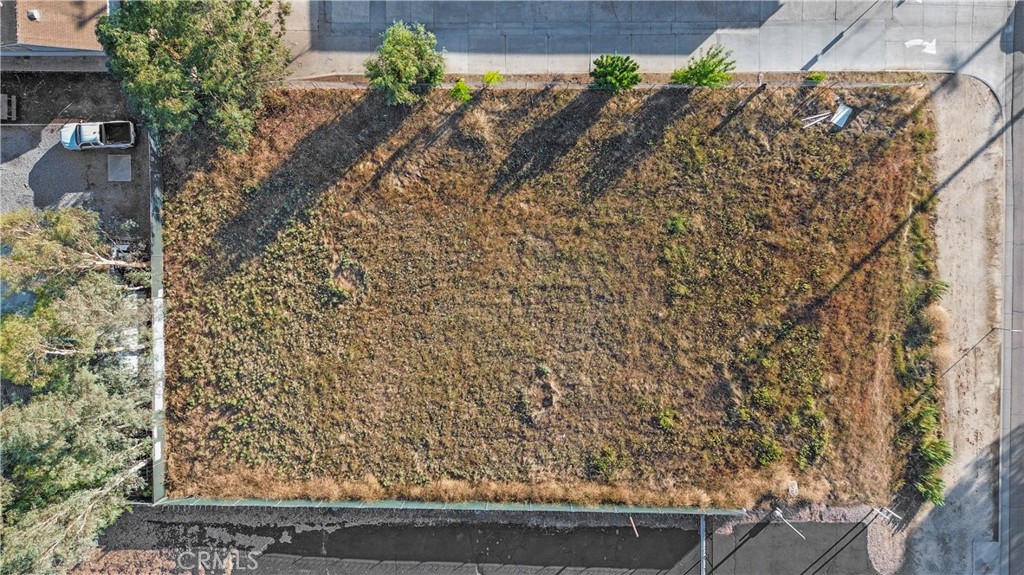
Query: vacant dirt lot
[{"x": 666, "y": 297}]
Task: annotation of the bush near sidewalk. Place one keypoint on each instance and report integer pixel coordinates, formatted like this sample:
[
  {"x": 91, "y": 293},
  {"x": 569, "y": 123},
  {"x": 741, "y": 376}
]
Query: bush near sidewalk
[{"x": 407, "y": 64}]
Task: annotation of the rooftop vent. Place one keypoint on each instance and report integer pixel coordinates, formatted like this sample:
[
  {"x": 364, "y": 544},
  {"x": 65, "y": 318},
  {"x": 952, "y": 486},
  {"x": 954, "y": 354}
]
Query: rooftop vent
[{"x": 34, "y": 15}]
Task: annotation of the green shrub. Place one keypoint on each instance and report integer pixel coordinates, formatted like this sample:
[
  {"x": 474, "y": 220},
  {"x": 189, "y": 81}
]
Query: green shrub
[
  {"x": 935, "y": 452},
  {"x": 765, "y": 398},
  {"x": 407, "y": 64},
  {"x": 615, "y": 73},
  {"x": 816, "y": 77},
  {"x": 492, "y": 77},
  {"x": 931, "y": 487},
  {"x": 767, "y": 450},
  {"x": 543, "y": 370},
  {"x": 461, "y": 92},
  {"x": 710, "y": 68},
  {"x": 666, "y": 419},
  {"x": 603, "y": 464},
  {"x": 676, "y": 225}
]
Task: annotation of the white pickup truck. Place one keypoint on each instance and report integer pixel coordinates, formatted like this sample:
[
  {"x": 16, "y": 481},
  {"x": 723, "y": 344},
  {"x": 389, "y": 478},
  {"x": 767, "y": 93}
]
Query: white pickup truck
[{"x": 92, "y": 135}]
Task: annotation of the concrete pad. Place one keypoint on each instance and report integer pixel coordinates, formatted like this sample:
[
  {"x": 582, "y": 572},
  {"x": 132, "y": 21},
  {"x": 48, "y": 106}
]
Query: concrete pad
[
  {"x": 526, "y": 54},
  {"x": 349, "y": 12},
  {"x": 655, "y": 52},
  {"x": 511, "y": 11},
  {"x": 988, "y": 66},
  {"x": 781, "y": 46},
  {"x": 395, "y": 10},
  {"x": 697, "y": 11},
  {"x": 578, "y": 12},
  {"x": 455, "y": 46},
  {"x": 782, "y": 11},
  {"x": 909, "y": 14},
  {"x": 305, "y": 15},
  {"x": 486, "y": 53},
  {"x": 849, "y": 11},
  {"x": 687, "y": 46},
  {"x": 986, "y": 557},
  {"x": 862, "y": 47},
  {"x": 653, "y": 11},
  {"x": 422, "y": 11},
  {"x": 610, "y": 44},
  {"x": 819, "y": 41},
  {"x": 119, "y": 168},
  {"x": 964, "y": 23},
  {"x": 731, "y": 12},
  {"x": 825, "y": 10},
  {"x": 455, "y": 12},
  {"x": 570, "y": 53},
  {"x": 988, "y": 21},
  {"x": 745, "y": 46},
  {"x": 611, "y": 11}
]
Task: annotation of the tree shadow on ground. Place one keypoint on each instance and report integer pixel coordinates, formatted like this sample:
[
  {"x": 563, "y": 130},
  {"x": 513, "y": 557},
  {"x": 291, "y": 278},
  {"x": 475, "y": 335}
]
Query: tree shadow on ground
[
  {"x": 618, "y": 154},
  {"x": 536, "y": 151},
  {"x": 318, "y": 163},
  {"x": 423, "y": 139},
  {"x": 942, "y": 539}
]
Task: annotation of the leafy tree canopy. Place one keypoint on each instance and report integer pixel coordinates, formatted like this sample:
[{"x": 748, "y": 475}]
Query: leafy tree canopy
[
  {"x": 407, "y": 65},
  {"x": 183, "y": 61},
  {"x": 74, "y": 427},
  {"x": 46, "y": 246}
]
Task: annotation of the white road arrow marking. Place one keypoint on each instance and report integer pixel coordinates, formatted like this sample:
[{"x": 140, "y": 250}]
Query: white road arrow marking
[{"x": 926, "y": 47}]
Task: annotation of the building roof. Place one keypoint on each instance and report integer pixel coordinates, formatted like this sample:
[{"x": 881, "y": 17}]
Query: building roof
[{"x": 68, "y": 24}]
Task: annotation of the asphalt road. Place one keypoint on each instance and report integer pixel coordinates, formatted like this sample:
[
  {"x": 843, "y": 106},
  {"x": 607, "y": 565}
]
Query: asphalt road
[{"x": 289, "y": 541}]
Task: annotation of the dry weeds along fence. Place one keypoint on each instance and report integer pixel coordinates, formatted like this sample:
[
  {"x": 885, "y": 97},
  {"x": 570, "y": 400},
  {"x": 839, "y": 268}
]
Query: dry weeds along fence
[{"x": 546, "y": 295}]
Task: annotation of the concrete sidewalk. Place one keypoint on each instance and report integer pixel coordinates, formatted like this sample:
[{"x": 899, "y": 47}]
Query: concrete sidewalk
[{"x": 546, "y": 37}]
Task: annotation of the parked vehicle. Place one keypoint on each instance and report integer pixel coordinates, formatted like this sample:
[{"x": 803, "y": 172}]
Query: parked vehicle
[{"x": 94, "y": 135}]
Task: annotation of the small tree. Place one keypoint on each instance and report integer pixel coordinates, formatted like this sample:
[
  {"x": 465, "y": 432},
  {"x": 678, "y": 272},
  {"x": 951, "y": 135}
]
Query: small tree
[
  {"x": 407, "y": 64},
  {"x": 181, "y": 61},
  {"x": 461, "y": 92},
  {"x": 492, "y": 77},
  {"x": 615, "y": 73},
  {"x": 710, "y": 68}
]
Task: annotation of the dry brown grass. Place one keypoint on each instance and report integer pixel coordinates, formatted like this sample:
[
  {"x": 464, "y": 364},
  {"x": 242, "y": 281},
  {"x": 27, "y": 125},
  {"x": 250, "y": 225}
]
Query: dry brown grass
[{"x": 474, "y": 302}]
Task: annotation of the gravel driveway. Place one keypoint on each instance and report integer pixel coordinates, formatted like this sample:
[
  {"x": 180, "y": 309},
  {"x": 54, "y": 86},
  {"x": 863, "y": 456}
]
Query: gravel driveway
[{"x": 36, "y": 171}]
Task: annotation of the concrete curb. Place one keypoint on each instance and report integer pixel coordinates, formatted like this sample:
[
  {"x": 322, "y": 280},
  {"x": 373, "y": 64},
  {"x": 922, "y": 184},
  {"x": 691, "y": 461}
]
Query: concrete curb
[{"x": 156, "y": 219}]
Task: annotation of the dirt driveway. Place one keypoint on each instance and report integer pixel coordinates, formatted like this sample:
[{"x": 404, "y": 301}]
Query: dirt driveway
[{"x": 36, "y": 171}]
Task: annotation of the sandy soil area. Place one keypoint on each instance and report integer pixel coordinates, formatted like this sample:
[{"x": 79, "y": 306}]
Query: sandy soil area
[{"x": 958, "y": 537}]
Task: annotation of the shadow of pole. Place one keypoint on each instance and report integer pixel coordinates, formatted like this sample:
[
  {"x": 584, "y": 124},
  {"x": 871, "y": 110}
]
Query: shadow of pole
[{"x": 754, "y": 532}]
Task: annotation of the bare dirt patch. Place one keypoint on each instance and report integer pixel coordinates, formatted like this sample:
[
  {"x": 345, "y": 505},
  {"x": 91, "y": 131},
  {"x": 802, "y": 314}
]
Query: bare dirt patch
[
  {"x": 969, "y": 234},
  {"x": 546, "y": 295}
]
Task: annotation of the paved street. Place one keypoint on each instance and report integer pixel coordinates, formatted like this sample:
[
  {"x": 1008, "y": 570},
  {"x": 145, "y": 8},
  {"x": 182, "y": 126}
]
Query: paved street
[
  {"x": 543, "y": 37},
  {"x": 354, "y": 541}
]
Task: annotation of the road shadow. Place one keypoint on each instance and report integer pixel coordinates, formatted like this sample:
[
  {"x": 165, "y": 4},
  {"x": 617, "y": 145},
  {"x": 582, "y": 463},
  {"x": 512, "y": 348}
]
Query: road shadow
[
  {"x": 317, "y": 163},
  {"x": 537, "y": 150},
  {"x": 616, "y": 155}
]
